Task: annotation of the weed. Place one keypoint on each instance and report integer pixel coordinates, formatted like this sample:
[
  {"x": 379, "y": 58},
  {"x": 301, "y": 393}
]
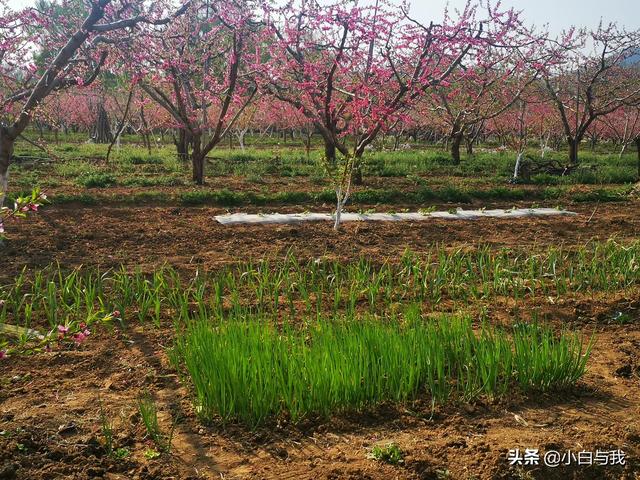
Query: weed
[
  {"x": 149, "y": 414},
  {"x": 121, "y": 453},
  {"x": 138, "y": 159},
  {"x": 97, "y": 180},
  {"x": 106, "y": 429},
  {"x": 622, "y": 318},
  {"x": 151, "y": 454},
  {"x": 390, "y": 453},
  {"x": 428, "y": 210}
]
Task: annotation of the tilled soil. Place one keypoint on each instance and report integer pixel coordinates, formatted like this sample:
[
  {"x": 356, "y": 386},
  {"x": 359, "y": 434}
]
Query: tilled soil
[
  {"x": 50, "y": 403},
  {"x": 51, "y": 423},
  {"x": 189, "y": 237}
]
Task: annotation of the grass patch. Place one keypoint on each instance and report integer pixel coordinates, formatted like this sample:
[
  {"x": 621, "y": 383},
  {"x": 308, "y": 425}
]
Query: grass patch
[
  {"x": 223, "y": 197},
  {"x": 64, "y": 199},
  {"x": 97, "y": 180},
  {"x": 603, "y": 195},
  {"x": 251, "y": 371},
  {"x": 160, "y": 181},
  {"x": 139, "y": 159}
]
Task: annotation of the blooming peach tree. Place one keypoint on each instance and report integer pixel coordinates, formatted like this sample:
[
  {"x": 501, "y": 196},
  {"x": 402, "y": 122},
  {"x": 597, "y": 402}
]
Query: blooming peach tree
[
  {"x": 356, "y": 71},
  {"x": 593, "y": 78},
  {"x": 42, "y": 52},
  {"x": 199, "y": 70}
]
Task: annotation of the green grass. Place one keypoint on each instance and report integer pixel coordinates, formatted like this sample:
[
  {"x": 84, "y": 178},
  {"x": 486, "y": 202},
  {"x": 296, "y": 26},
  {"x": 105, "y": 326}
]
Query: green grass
[
  {"x": 97, "y": 180},
  {"x": 604, "y": 195},
  {"x": 144, "y": 159},
  {"x": 292, "y": 289},
  {"x": 83, "y": 198},
  {"x": 154, "y": 181},
  {"x": 149, "y": 415},
  {"x": 106, "y": 430},
  {"x": 270, "y": 156},
  {"x": 297, "y": 339},
  {"x": 424, "y": 195},
  {"x": 251, "y": 371}
]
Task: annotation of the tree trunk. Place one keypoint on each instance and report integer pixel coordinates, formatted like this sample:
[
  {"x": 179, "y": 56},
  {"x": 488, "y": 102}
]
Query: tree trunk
[
  {"x": 198, "y": 168},
  {"x": 6, "y": 152},
  {"x": 307, "y": 144},
  {"x": 182, "y": 144},
  {"x": 146, "y": 140},
  {"x": 456, "y": 142},
  {"x": 102, "y": 129},
  {"x": 638, "y": 148},
  {"x": 356, "y": 175},
  {"x": 197, "y": 160},
  {"x": 330, "y": 153},
  {"x": 573, "y": 150},
  {"x": 469, "y": 146}
]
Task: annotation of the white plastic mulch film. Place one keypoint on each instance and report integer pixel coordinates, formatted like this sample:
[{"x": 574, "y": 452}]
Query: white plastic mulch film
[{"x": 291, "y": 218}]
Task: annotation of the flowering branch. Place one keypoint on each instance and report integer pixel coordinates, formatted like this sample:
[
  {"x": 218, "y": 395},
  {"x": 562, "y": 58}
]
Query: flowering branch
[{"x": 21, "y": 207}]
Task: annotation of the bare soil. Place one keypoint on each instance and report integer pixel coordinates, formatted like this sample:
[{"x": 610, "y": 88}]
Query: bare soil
[
  {"x": 186, "y": 237},
  {"x": 49, "y": 403}
]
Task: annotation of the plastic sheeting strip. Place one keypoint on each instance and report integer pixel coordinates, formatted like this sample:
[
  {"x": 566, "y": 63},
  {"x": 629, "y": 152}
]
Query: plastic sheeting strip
[{"x": 290, "y": 218}]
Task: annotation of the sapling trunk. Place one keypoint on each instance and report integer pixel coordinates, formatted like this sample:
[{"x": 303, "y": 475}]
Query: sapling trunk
[
  {"x": 544, "y": 143},
  {"x": 121, "y": 126},
  {"x": 341, "y": 200},
  {"x": 241, "y": 134},
  {"x": 343, "y": 190},
  {"x": 516, "y": 171},
  {"x": 622, "y": 150}
]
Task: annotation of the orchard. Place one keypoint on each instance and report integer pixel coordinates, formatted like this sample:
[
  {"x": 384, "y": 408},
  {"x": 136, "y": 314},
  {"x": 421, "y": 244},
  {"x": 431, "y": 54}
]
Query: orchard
[{"x": 329, "y": 239}]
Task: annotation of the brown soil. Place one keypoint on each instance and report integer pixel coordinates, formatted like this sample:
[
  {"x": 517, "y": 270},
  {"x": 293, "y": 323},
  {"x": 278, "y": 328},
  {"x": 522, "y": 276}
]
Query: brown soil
[
  {"x": 189, "y": 237},
  {"x": 51, "y": 424},
  {"x": 50, "y": 413}
]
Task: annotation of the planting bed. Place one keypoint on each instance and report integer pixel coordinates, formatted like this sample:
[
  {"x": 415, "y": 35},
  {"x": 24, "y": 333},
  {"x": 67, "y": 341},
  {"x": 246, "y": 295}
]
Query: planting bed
[
  {"x": 51, "y": 419},
  {"x": 421, "y": 262},
  {"x": 148, "y": 236},
  {"x": 183, "y": 348}
]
